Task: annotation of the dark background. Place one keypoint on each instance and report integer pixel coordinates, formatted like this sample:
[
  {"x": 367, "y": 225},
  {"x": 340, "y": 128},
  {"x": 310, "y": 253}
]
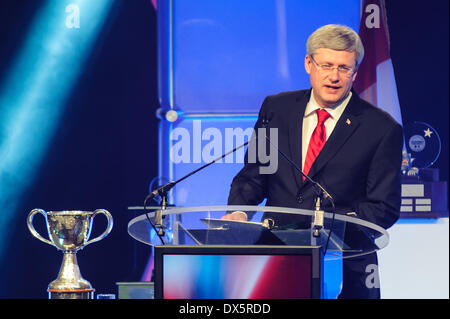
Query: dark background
[{"x": 104, "y": 153}]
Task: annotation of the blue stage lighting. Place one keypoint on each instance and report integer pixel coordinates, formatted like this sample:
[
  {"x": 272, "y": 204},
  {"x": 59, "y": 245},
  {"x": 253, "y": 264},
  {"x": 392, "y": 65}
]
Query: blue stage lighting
[{"x": 35, "y": 89}]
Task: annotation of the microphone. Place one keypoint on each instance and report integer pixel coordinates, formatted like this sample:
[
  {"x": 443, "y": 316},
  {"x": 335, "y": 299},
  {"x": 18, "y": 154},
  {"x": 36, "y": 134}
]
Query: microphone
[
  {"x": 265, "y": 122},
  {"x": 164, "y": 190},
  {"x": 320, "y": 190},
  {"x": 161, "y": 191},
  {"x": 266, "y": 118}
]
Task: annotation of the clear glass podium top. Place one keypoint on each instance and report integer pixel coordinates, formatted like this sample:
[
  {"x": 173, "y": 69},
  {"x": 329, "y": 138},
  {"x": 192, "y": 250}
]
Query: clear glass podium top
[{"x": 341, "y": 235}]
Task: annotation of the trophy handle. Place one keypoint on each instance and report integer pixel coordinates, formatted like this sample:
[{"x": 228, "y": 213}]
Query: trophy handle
[
  {"x": 31, "y": 227},
  {"x": 108, "y": 227}
]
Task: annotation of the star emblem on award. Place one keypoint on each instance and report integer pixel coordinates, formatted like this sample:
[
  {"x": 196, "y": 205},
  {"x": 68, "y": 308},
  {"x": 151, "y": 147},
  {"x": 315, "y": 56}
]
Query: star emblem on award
[{"x": 423, "y": 146}]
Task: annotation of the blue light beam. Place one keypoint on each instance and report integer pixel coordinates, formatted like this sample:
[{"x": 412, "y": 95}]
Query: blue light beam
[{"x": 35, "y": 89}]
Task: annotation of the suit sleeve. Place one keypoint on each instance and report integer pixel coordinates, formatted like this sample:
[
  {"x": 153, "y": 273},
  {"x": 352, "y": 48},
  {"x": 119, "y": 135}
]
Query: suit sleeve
[
  {"x": 249, "y": 187},
  {"x": 383, "y": 188}
]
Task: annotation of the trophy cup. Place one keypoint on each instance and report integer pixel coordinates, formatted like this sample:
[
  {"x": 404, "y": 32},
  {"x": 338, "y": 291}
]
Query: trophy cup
[{"x": 69, "y": 231}]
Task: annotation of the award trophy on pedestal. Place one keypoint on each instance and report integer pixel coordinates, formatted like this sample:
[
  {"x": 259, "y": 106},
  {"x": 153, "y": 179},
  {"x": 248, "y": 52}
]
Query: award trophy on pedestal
[
  {"x": 423, "y": 146},
  {"x": 69, "y": 231}
]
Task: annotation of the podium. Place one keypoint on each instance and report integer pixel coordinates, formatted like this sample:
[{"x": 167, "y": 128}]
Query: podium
[{"x": 284, "y": 254}]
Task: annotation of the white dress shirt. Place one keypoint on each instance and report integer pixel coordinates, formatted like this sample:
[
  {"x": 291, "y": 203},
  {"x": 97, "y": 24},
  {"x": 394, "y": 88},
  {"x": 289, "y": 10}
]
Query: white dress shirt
[{"x": 310, "y": 120}]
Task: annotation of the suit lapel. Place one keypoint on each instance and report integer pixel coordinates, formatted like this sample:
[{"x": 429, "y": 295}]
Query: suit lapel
[
  {"x": 345, "y": 127},
  {"x": 295, "y": 134}
]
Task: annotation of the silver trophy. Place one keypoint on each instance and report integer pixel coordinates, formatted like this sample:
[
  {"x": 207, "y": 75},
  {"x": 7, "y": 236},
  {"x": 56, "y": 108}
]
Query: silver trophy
[{"x": 69, "y": 231}]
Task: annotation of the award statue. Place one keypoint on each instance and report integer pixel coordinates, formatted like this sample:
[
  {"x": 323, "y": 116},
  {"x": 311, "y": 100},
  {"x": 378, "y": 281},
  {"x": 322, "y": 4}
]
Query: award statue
[
  {"x": 69, "y": 232},
  {"x": 423, "y": 146}
]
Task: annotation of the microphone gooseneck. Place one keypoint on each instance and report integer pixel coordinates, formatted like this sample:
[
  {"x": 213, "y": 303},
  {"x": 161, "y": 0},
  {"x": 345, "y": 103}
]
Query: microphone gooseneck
[
  {"x": 321, "y": 193},
  {"x": 266, "y": 118},
  {"x": 162, "y": 191}
]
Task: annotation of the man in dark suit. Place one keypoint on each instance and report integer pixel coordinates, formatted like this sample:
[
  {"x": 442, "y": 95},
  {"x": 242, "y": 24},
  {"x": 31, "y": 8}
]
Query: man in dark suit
[{"x": 348, "y": 146}]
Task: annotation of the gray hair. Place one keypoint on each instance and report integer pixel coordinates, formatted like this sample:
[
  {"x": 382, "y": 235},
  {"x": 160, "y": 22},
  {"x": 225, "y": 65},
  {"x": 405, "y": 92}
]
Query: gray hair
[{"x": 336, "y": 37}]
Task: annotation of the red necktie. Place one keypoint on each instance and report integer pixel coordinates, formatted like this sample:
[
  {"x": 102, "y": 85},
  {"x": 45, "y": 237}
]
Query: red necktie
[{"x": 318, "y": 139}]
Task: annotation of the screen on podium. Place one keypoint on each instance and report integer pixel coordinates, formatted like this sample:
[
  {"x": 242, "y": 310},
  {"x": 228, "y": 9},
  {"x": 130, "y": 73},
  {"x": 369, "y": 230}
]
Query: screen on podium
[{"x": 236, "y": 272}]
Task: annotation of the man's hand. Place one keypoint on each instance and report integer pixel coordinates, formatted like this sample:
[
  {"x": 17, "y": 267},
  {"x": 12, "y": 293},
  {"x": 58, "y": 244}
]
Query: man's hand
[{"x": 237, "y": 215}]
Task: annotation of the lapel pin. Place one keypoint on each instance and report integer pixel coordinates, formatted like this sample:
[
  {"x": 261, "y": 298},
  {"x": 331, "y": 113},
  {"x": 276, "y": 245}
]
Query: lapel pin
[{"x": 348, "y": 122}]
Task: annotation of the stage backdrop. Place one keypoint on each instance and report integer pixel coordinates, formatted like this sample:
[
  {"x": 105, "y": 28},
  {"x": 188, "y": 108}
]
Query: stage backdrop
[
  {"x": 217, "y": 62},
  {"x": 219, "y": 59}
]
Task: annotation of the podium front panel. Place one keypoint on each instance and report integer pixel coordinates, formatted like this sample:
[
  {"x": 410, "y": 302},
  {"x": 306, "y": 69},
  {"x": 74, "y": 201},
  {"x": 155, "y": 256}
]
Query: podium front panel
[{"x": 238, "y": 272}]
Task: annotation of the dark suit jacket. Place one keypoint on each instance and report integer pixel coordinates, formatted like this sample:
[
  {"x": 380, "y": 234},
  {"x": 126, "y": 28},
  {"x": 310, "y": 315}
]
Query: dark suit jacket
[{"x": 359, "y": 165}]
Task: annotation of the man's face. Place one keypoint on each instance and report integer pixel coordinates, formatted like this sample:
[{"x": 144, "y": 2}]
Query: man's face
[{"x": 330, "y": 86}]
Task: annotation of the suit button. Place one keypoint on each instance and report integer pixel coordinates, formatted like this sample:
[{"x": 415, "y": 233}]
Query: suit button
[{"x": 299, "y": 199}]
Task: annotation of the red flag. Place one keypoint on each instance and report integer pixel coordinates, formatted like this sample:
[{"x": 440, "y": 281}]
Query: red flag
[
  {"x": 154, "y": 3},
  {"x": 375, "y": 81}
]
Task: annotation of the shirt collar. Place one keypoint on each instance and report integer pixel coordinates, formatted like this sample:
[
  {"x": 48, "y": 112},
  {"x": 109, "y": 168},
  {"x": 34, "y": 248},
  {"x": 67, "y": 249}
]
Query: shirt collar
[{"x": 335, "y": 110}]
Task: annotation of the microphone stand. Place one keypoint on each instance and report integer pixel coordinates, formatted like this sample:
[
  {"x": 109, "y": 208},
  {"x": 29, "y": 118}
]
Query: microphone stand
[
  {"x": 165, "y": 189},
  {"x": 320, "y": 192}
]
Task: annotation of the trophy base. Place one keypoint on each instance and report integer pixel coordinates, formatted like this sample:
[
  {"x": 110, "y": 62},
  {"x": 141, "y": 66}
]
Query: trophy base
[{"x": 71, "y": 294}]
